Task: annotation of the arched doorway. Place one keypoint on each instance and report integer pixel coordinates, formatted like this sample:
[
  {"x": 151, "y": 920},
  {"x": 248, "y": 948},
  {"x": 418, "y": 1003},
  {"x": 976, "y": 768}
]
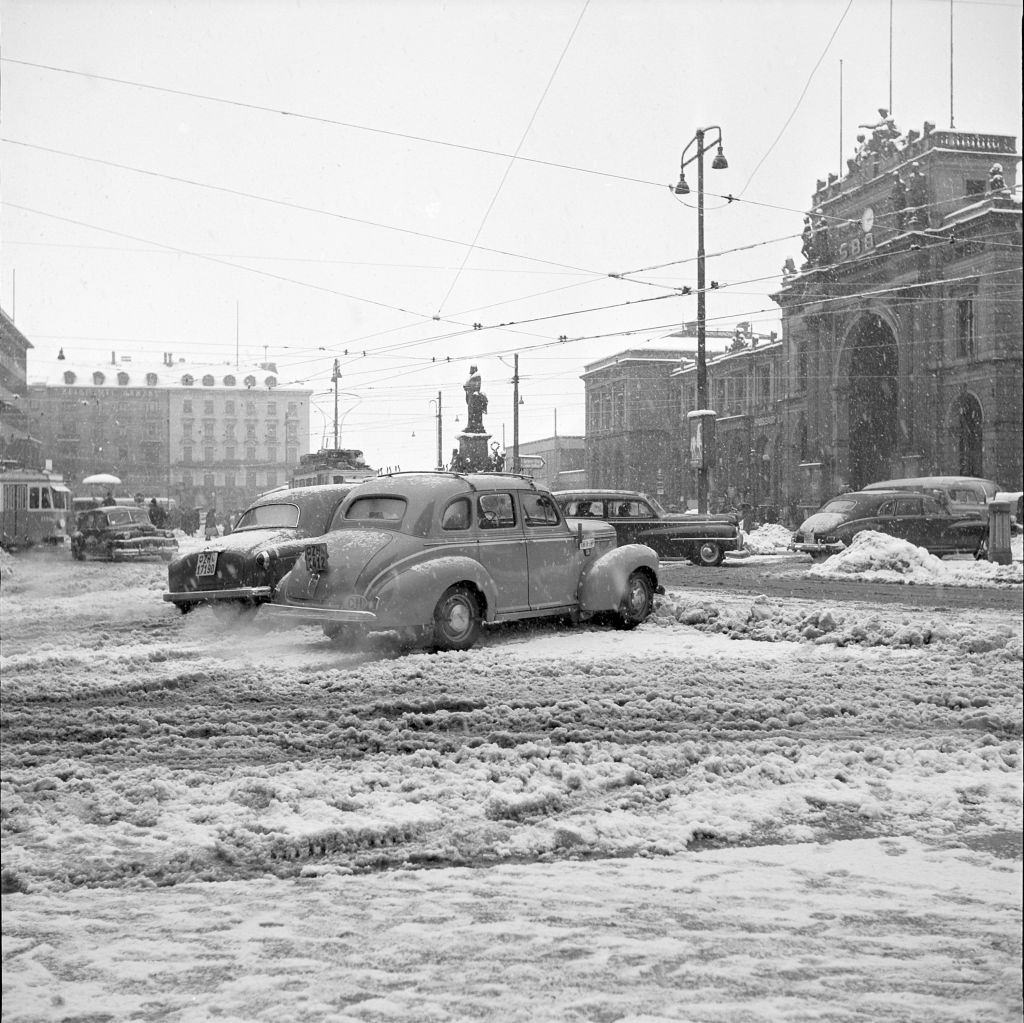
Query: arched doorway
[
  {"x": 873, "y": 397},
  {"x": 967, "y": 424}
]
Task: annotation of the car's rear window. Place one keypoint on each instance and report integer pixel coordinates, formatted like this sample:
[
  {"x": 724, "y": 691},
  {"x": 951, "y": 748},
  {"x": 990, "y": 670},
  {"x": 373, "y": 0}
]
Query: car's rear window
[
  {"x": 388, "y": 509},
  {"x": 839, "y": 506},
  {"x": 964, "y": 496},
  {"x": 269, "y": 516}
]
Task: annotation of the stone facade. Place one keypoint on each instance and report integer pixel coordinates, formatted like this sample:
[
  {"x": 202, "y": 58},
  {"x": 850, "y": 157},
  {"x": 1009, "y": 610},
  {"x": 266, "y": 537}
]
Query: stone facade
[{"x": 902, "y": 328}]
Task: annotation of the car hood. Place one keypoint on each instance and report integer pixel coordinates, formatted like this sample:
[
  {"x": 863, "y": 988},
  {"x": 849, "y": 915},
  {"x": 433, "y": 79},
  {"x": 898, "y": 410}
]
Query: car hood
[
  {"x": 251, "y": 540},
  {"x": 822, "y": 522}
]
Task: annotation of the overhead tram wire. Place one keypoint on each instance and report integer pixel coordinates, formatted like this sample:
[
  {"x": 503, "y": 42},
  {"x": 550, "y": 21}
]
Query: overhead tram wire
[
  {"x": 297, "y": 115},
  {"x": 512, "y": 159}
]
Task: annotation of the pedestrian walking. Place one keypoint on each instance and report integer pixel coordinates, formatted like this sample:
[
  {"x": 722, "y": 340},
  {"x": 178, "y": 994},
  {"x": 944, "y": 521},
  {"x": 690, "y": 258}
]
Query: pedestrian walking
[{"x": 211, "y": 524}]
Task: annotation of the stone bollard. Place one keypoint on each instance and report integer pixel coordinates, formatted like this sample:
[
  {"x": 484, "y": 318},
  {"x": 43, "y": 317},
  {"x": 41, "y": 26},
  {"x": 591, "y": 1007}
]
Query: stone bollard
[{"x": 999, "y": 532}]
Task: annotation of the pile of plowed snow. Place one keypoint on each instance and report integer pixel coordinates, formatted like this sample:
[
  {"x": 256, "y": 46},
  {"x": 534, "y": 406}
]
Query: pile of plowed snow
[
  {"x": 769, "y": 538},
  {"x": 878, "y": 557}
]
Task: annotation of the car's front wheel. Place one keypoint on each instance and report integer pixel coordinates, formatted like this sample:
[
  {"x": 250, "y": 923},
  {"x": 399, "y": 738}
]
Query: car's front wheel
[
  {"x": 456, "y": 619},
  {"x": 709, "y": 554},
  {"x": 637, "y": 601}
]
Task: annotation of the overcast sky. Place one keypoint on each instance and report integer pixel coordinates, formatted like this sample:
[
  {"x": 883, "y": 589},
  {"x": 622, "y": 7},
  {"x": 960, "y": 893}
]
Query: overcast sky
[{"x": 324, "y": 168}]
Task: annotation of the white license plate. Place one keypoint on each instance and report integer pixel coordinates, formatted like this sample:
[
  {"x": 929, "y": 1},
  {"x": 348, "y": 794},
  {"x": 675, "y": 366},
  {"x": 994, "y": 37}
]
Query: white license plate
[
  {"x": 207, "y": 563},
  {"x": 316, "y": 558}
]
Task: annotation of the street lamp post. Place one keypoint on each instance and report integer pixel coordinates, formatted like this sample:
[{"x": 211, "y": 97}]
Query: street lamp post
[
  {"x": 437, "y": 416},
  {"x": 718, "y": 163}
]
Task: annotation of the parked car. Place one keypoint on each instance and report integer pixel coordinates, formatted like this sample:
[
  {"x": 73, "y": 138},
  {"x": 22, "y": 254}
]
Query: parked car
[
  {"x": 117, "y": 533},
  {"x": 923, "y": 520},
  {"x": 241, "y": 569},
  {"x": 436, "y": 555},
  {"x": 965, "y": 495},
  {"x": 637, "y": 518}
]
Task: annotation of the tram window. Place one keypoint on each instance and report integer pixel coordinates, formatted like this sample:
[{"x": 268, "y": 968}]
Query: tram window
[
  {"x": 60, "y": 499},
  {"x": 45, "y": 497},
  {"x": 33, "y": 497}
]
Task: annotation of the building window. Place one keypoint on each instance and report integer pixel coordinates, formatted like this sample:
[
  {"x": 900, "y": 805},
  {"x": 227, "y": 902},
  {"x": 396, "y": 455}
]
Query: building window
[
  {"x": 801, "y": 366},
  {"x": 271, "y": 453},
  {"x": 208, "y": 380},
  {"x": 186, "y": 480},
  {"x": 209, "y": 482},
  {"x": 208, "y": 407},
  {"x": 230, "y": 453},
  {"x": 272, "y": 478},
  {"x": 272, "y": 408},
  {"x": 151, "y": 380},
  {"x": 208, "y": 425},
  {"x": 291, "y": 455},
  {"x": 186, "y": 454},
  {"x": 974, "y": 186},
  {"x": 250, "y": 409},
  {"x": 229, "y": 480},
  {"x": 98, "y": 379},
  {"x": 208, "y": 454},
  {"x": 250, "y": 381},
  {"x": 965, "y": 327},
  {"x": 187, "y": 380},
  {"x": 229, "y": 381},
  {"x": 122, "y": 379},
  {"x": 271, "y": 381},
  {"x": 229, "y": 407},
  {"x": 69, "y": 377},
  {"x": 250, "y": 452},
  {"x": 186, "y": 406},
  {"x": 250, "y": 480},
  {"x": 293, "y": 408},
  {"x": 151, "y": 431},
  {"x": 186, "y": 427}
]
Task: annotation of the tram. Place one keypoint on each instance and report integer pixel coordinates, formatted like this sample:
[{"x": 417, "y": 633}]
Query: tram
[
  {"x": 35, "y": 508},
  {"x": 331, "y": 465}
]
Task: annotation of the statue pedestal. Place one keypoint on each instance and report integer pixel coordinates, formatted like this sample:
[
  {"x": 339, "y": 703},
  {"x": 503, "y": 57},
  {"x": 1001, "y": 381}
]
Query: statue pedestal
[{"x": 474, "y": 451}]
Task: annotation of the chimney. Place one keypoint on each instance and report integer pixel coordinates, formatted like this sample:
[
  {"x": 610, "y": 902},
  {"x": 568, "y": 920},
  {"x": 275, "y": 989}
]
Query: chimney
[{"x": 113, "y": 358}]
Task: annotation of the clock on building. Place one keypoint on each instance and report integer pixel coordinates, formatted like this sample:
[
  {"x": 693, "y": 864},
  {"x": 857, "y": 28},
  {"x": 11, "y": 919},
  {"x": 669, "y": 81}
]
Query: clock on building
[{"x": 867, "y": 220}]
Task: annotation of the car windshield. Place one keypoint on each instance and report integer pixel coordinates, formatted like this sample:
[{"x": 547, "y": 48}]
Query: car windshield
[
  {"x": 125, "y": 516},
  {"x": 269, "y": 516},
  {"x": 389, "y": 509}
]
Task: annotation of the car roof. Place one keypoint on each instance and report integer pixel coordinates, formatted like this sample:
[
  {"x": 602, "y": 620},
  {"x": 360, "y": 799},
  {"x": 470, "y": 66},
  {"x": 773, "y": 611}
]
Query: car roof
[
  {"x": 874, "y": 495},
  {"x": 931, "y": 481},
  {"x": 302, "y": 495},
  {"x": 442, "y": 481},
  {"x": 598, "y": 495}
]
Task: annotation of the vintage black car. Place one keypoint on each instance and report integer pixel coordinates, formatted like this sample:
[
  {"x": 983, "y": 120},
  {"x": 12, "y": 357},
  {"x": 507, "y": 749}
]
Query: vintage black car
[
  {"x": 118, "y": 533},
  {"x": 923, "y": 520},
  {"x": 637, "y": 518},
  {"x": 239, "y": 571}
]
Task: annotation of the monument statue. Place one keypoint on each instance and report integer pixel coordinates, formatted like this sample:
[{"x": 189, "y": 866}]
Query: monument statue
[
  {"x": 476, "y": 403},
  {"x": 996, "y": 181}
]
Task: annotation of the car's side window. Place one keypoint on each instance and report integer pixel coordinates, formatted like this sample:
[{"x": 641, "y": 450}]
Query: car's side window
[
  {"x": 539, "y": 510},
  {"x": 908, "y": 506},
  {"x": 456, "y": 515},
  {"x": 931, "y": 506},
  {"x": 887, "y": 508},
  {"x": 495, "y": 511}
]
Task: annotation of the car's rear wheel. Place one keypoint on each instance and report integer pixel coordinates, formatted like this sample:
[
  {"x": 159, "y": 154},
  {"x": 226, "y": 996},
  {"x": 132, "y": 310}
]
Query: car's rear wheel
[
  {"x": 710, "y": 554},
  {"x": 637, "y": 602},
  {"x": 340, "y": 633},
  {"x": 456, "y": 619}
]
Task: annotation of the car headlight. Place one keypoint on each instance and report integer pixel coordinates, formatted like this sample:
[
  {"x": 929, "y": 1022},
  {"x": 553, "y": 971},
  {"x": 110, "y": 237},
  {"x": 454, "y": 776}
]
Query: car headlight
[{"x": 263, "y": 559}]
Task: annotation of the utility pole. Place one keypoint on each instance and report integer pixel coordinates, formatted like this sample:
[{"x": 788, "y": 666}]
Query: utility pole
[
  {"x": 440, "y": 459},
  {"x": 335, "y": 377},
  {"x": 515, "y": 413}
]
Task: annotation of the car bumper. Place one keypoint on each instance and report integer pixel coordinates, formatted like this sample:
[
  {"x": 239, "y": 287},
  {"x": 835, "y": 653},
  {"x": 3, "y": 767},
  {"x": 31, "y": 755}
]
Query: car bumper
[
  {"x": 148, "y": 551},
  {"x": 818, "y": 549},
  {"x": 317, "y": 615},
  {"x": 254, "y": 594}
]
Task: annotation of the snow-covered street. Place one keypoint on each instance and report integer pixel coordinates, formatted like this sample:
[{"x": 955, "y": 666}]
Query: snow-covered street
[{"x": 746, "y": 809}]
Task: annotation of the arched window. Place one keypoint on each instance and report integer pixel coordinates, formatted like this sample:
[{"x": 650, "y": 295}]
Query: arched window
[
  {"x": 208, "y": 380},
  {"x": 122, "y": 379},
  {"x": 69, "y": 377},
  {"x": 250, "y": 381},
  {"x": 967, "y": 434},
  {"x": 98, "y": 379},
  {"x": 151, "y": 380},
  {"x": 271, "y": 381},
  {"x": 229, "y": 381},
  {"x": 187, "y": 380}
]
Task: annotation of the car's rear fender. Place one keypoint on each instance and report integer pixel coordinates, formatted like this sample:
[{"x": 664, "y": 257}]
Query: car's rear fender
[
  {"x": 407, "y": 593},
  {"x": 604, "y": 580}
]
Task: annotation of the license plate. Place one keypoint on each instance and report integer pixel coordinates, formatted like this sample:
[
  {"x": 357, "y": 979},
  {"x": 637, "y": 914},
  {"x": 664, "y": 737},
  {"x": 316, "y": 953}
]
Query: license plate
[
  {"x": 207, "y": 563},
  {"x": 316, "y": 558}
]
